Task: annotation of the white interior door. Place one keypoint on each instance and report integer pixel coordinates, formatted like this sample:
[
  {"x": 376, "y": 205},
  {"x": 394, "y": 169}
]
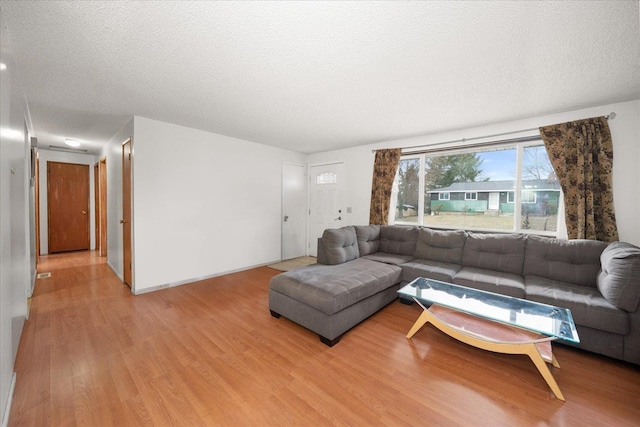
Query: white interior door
[
  {"x": 294, "y": 211},
  {"x": 326, "y": 201}
]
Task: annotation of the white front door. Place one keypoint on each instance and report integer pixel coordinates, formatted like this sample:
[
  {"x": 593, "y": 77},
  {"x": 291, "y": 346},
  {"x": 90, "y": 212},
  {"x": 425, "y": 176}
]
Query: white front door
[
  {"x": 494, "y": 201},
  {"x": 294, "y": 211},
  {"x": 326, "y": 201}
]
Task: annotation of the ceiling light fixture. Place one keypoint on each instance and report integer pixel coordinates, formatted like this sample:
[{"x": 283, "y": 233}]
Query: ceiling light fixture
[
  {"x": 72, "y": 142},
  {"x": 3, "y": 66}
]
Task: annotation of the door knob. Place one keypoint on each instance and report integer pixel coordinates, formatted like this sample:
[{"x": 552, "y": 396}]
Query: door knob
[
  {"x": 286, "y": 218},
  {"x": 122, "y": 221},
  {"x": 338, "y": 219},
  {"x": 84, "y": 212}
]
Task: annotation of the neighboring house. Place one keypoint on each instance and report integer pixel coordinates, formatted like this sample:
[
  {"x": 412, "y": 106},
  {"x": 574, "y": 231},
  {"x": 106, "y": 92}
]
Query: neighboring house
[{"x": 539, "y": 197}]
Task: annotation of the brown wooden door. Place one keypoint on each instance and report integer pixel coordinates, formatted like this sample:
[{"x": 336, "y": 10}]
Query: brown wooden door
[
  {"x": 100, "y": 192},
  {"x": 126, "y": 212},
  {"x": 102, "y": 213},
  {"x": 68, "y": 206},
  {"x": 37, "y": 195},
  {"x": 96, "y": 206}
]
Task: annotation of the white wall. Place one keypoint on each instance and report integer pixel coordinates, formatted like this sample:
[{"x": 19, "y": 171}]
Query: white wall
[
  {"x": 60, "y": 156},
  {"x": 204, "y": 204},
  {"x": 15, "y": 263},
  {"x": 113, "y": 153},
  {"x": 625, "y": 133}
]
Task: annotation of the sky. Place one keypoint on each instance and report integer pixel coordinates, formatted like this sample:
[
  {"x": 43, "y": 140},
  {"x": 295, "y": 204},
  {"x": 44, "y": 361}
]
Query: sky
[
  {"x": 498, "y": 165},
  {"x": 501, "y": 165}
]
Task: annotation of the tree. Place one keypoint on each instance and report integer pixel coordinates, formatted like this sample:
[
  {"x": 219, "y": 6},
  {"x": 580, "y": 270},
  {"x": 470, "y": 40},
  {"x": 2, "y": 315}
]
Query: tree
[
  {"x": 408, "y": 185},
  {"x": 442, "y": 171},
  {"x": 536, "y": 164}
]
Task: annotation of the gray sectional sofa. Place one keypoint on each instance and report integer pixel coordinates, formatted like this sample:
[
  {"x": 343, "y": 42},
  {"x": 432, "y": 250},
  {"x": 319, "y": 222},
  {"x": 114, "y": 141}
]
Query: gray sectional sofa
[{"x": 360, "y": 269}]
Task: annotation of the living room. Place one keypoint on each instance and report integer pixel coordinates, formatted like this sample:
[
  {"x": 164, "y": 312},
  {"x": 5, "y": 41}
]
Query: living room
[{"x": 207, "y": 204}]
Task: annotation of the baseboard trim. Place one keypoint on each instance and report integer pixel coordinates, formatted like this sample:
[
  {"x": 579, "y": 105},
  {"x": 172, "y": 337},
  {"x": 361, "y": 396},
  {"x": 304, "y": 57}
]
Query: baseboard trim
[
  {"x": 196, "y": 279},
  {"x": 7, "y": 409},
  {"x": 34, "y": 277},
  {"x": 114, "y": 271}
]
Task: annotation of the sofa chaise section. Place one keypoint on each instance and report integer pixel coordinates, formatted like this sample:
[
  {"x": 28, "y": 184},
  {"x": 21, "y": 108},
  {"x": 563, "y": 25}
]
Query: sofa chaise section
[{"x": 331, "y": 299}]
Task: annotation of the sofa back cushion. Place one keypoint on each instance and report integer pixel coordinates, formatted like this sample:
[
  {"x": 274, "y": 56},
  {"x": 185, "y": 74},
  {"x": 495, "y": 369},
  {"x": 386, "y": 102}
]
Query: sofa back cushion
[
  {"x": 619, "y": 280},
  {"x": 368, "y": 239},
  {"x": 569, "y": 261},
  {"x": 498, "y": 252},
  {"x": 441, "y": 246},
  {"x": 398, "y": 239},
  {"x": 340, "y": 245}
]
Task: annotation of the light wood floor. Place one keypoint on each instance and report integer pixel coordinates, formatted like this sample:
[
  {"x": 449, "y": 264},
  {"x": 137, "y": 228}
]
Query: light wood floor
[{"x": 209, "y": 353}]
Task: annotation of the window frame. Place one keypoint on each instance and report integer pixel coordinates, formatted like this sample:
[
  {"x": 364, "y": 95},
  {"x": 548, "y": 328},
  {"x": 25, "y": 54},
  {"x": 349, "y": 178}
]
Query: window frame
[
  {"x": 517, "y": 195},
  {"x": 474, "y": 193},
  {"x": 441, "y": 195}
]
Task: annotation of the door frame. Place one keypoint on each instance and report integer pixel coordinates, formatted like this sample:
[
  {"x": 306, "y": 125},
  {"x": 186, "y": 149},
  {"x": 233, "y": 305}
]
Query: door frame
[
  {"x": 100, "y": 203},
  {"x": 96, "y": 207},
  {"x": 305, "y": 193},
  {"x": 127, "y": 214}
]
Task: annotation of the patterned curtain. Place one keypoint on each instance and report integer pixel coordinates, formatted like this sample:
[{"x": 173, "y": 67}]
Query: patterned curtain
[
  {"x": 582, "y": 156},
  {"x": 384, "y": 172}
]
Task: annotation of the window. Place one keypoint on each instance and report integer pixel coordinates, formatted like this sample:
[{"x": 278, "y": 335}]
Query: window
[
  {"x": 527, "y": 197},
  {"x": 326, "y": 178},
  {"x": 510, "y": 188}
]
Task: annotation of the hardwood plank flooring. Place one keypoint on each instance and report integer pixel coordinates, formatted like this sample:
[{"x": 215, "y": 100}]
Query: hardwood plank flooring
[{"x": 209, "y": 353}]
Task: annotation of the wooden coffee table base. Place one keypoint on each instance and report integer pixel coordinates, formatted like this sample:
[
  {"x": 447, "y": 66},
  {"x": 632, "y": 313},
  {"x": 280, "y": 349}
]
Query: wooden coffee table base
[{"x": 492, "y": 336}]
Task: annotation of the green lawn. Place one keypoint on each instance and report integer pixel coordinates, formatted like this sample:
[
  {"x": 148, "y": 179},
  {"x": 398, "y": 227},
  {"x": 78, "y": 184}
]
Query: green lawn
[{"x": 481, "y": 221}]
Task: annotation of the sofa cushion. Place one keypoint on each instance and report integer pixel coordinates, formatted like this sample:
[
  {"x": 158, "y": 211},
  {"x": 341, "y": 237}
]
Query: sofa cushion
[
  {"x": 619, "y": 280},
  {"x": 398, "y": 239},
  {"x": 429, "y": 269},
  {"x": 570, "y": 261},
  {"x": 498, "y": 252},
  {"x": 340, "y": 244},
  {"x": 442, "y": 246},
  {"x": 490, "y": 280},
  {"x": 587, "y": 306},
  {"x": 392, "y": 259},
  {"x": 331, "y": 289},
  {"x": 368, "y": 239}
]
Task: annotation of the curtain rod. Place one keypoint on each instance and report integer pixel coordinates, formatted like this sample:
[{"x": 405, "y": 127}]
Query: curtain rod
[{"x": 428, "y": 148}]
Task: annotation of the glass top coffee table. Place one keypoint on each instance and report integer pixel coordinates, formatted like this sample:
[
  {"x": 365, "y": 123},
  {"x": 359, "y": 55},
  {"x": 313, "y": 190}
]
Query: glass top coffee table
[{"x": 493, "y": 322}]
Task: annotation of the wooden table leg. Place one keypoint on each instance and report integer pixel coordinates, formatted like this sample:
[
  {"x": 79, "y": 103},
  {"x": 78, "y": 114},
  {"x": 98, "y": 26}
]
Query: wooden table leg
[{"x": 492, "y": 336}]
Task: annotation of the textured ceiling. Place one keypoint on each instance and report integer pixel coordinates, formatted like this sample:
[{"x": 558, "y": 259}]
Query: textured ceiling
[{"x": 315, "y": 76}]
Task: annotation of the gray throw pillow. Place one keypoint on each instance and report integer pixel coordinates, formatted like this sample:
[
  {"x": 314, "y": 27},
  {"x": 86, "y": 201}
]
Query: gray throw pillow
[
  {"x": 498, "y": 252},
  {"x": 340, "y": 244},
  {"x": 619, "y": 279},
  {"x": 368, "y": 239},
  {"x": 398, "y": 239},
  {"x": 442, "y": 246}
]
